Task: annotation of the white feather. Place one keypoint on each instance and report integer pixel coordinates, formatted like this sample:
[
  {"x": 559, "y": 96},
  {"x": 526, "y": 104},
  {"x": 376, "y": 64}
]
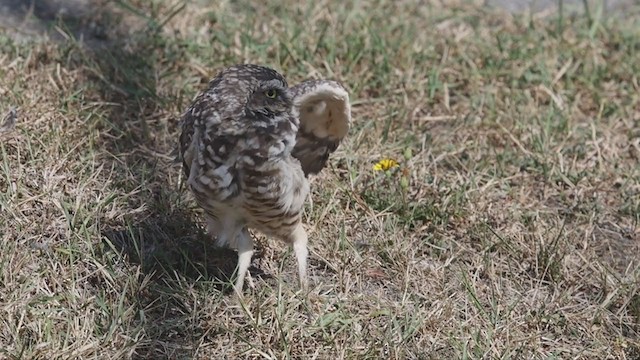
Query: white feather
[{"x": 324, "y": 111}]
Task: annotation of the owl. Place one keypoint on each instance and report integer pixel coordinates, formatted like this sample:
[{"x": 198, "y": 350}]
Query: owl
[{"x": 248, "y": 145}]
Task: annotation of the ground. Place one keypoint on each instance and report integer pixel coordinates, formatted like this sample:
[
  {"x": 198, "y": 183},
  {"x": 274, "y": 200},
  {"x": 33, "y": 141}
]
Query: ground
[{"x": 510, "y": 228}]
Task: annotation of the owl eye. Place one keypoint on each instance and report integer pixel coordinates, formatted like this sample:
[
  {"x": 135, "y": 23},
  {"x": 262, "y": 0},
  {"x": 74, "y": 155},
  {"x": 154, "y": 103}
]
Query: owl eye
[{"x": 271, "y": 94}]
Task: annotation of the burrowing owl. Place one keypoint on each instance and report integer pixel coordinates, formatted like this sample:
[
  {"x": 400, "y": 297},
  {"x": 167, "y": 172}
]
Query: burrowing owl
[{"x": 248, "y": 144}]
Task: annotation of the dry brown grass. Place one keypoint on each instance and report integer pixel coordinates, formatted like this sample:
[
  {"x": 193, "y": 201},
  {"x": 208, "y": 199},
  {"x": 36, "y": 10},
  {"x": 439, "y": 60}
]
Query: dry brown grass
[{"x": 514, "y": 233}]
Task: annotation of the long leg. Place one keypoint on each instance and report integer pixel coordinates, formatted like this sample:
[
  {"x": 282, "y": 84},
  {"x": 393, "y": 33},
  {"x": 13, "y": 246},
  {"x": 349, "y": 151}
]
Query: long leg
[
  {"x": 299, "y": 240},
  {"x": 245, "y": 251}
]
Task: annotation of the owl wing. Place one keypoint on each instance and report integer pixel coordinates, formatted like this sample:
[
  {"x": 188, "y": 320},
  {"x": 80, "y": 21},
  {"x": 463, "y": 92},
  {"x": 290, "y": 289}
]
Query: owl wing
[
  {"x": 207, "y": 141},
  {"x": 192, "y": 119},
  {"x": 185, "y": 146},
  {"x": 325, "y": 117}
]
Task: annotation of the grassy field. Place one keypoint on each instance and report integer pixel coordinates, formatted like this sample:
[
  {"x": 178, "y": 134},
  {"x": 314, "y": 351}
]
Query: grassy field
[{"x": 510, "y": 230}]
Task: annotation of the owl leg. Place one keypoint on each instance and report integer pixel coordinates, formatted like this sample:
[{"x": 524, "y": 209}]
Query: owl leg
[
  {"x": 214, "y": 229},
  {"x": 299, "y": 240},
  {"x": 245, "y": 251}
]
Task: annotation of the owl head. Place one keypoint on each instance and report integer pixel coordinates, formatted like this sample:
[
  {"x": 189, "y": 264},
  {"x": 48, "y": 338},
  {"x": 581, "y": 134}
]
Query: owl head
[
  {"x": 264, "y": 92},
  {"x": 270, "y": 97}
]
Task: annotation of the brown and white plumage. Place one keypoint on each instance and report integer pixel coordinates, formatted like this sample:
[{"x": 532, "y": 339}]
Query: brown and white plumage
[
  {"x": 248, "y": 143},
  {"x": 325, "y": 115}
]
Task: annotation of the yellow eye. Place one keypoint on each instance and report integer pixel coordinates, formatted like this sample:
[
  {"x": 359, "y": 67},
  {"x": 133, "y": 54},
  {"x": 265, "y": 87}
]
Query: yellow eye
[{"x": 271, "y": 94}]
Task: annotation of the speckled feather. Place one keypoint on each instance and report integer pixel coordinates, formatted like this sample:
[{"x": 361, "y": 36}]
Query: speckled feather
[{"x": 246, "y": 154}]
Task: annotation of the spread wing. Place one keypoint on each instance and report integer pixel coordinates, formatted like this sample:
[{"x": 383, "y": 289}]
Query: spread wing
[{"x": 325, "y": 117}]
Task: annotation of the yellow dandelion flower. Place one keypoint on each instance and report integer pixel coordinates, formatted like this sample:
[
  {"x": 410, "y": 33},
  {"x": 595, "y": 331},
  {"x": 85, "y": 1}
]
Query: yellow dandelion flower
[{"x": 385, "y": 164}]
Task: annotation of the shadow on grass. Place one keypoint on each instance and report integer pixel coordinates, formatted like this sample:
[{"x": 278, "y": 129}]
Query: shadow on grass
[
  {"x": 136, "y": 142},
  {"x": 167, "y": 245}
]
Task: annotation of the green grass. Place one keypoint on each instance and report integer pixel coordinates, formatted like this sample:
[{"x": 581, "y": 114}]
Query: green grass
[{"x": 510, "y": 230}]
